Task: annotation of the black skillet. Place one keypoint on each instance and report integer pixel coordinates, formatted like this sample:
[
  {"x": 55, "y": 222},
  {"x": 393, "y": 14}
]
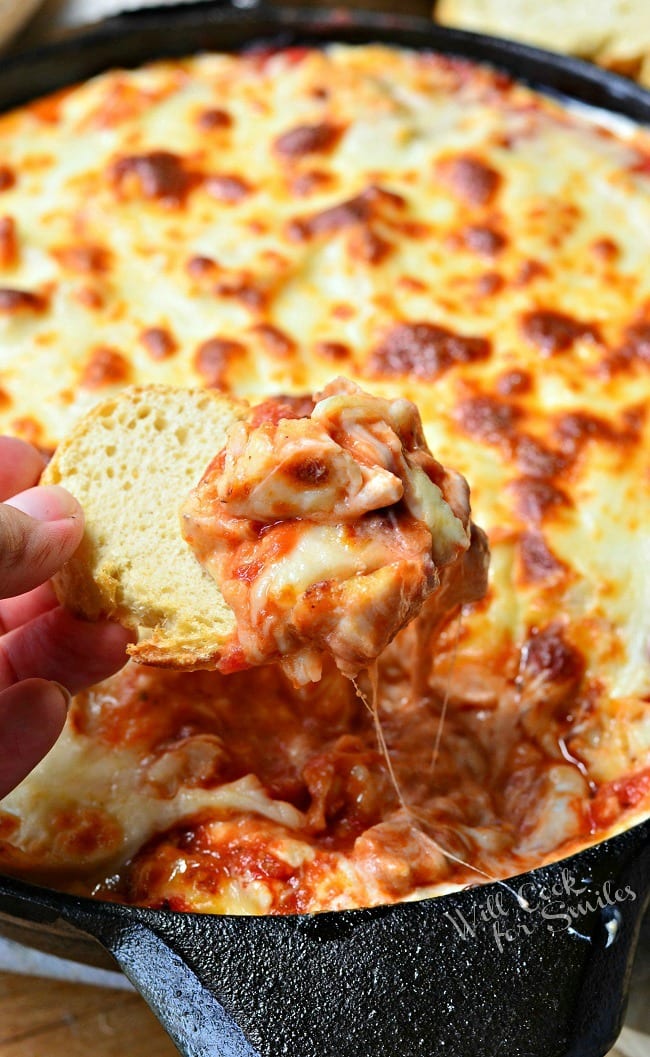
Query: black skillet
[{"x": 539, "y": 967}]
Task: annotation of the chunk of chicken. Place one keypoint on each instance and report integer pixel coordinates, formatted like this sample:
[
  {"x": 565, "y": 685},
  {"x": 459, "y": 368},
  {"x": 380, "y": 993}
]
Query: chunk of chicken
[{"x": 327, "y": 533}]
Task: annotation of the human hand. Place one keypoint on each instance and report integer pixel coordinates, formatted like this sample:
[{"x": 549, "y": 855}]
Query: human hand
[{"x": 46, "y": 653}]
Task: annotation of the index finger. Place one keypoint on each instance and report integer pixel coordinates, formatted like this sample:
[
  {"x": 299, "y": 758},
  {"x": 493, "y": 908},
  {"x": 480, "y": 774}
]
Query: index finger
[{"x": 20, "y": 466}]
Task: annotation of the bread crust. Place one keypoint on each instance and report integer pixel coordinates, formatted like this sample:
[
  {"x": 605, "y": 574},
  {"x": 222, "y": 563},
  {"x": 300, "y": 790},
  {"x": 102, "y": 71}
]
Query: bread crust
[{"x": 130, "y": 462}]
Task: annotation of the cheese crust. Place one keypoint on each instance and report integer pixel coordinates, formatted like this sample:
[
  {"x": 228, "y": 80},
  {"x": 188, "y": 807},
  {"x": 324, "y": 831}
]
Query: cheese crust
[{"x": 423, "y": 225}]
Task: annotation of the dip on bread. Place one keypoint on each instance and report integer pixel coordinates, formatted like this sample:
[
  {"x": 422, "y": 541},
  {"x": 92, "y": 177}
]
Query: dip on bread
[{"x": 326, "y": 532}]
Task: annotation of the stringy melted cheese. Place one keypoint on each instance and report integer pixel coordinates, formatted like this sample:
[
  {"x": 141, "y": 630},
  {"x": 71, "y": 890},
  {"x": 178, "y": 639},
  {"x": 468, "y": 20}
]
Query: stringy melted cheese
[{"x": 431, "y": 230}]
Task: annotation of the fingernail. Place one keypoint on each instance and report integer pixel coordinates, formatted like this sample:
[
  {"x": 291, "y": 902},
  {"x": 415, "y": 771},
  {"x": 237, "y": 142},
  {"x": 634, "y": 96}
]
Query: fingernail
[
  {"x": 67, "y": 696},
  {"x": 46, "y": 503}
]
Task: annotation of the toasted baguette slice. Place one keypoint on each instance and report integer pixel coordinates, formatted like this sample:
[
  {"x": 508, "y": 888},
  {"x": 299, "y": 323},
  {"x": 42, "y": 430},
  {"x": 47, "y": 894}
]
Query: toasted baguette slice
[
  {"x": 131, "y": 462},
  {"x": 614, "y": 33}
]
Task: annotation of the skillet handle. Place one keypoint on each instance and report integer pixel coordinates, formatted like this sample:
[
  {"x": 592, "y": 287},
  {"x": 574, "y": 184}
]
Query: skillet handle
[{"x": 197, "y": 1023}]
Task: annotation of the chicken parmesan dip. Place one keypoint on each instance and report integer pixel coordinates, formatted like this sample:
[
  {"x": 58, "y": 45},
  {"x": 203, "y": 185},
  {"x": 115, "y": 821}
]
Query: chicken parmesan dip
[
  {"x": 438, "y": 234},
  {"x": 327, "y": 532}
]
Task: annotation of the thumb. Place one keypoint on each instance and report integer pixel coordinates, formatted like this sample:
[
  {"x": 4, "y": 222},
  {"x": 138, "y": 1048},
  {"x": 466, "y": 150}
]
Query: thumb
[
  {"x": 32, "y": 714},
  {"x": 39, "y": 530}
]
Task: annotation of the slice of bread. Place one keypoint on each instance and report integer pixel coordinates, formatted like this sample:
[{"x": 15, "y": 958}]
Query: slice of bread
[
  {"x": 131, "y": 462},
  {"x": 614, "y": 33}
]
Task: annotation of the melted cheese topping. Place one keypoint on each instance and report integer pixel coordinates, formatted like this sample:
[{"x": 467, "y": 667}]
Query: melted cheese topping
[
  {"x": 326, "y": 533},
  {"x": 432, "y": 230}
]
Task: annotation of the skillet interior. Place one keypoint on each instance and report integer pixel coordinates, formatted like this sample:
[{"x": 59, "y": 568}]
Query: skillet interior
[{"x": 384, "y": 952}]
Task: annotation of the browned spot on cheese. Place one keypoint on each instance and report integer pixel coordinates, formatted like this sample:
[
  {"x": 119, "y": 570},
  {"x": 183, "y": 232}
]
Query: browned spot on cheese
[
  {"x": 482, "y": 239},
  {"x": 488, "y": 284},
  {"x": 106, "y": 366},
  {"x": 13, "y": 301},
  {"x": 82, "y": 830},
  {"x": 333, "y": 350},
  {"x": 411, "y": 229},
  {"x": 90, "y": 297},
  {"x": 274, "y": 340},
  {"x": 7, "y": 177},
  {"x": 538, "y": 563},
  {"x": 307, "y": 139},
  {"x": 537, "y": 460},
  {"x": 309, "y": 471},
  {"x": 305, "y": 183},
  {"x": 487, "y": 417},
  {"x": 633, "y": 422},
  {"x": 535, "y": 497},
  {"x": 27, "y": 428},
  {"x": 8, "y": 825},
  {"x": 528, "y": 271},
  {"x": 277, "y": 261},
  {"x": 514, "y": 383},
  {"x": 642, "y": 163},
  {"x": 413, "y": 285},
  {"x": 336, "y": 218},
  {"x": 605, "y": 250},
  {"x": 575, "y": 429},
  {"x": 227, "y": 188},
  {"x": 547, "y": 653},
  {"x": 85, "y": 258},
  {"x": 159, "y": 342},
  {"x": 554, "y": 332},
  {"x": 8, "y": 242},
  {"x": 48, "y": 109},
  {"x": 378, "y": 197},
  {"x": 214, "y": 356},
  {"x": 636, "y": 344},
  {"x": 5, "y": 399},
  {"x": 158, "y": 175},
  {"x": 367, "y": 246},
  {"x": 200, "y": 267},
  {"x": 121, "y": 101},
  {"x": 213, "y": 118},
  {"x": 424, "y": 350},
  {"x": 470, "y": 179},
  {"x": 275, "y": 408},
  {"x": 354, "y": 211},
  {"x": 245, "y": 290}
]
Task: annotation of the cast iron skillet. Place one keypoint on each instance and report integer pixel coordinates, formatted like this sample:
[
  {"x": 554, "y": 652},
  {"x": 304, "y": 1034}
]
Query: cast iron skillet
[{"x": 537, "y": 967}]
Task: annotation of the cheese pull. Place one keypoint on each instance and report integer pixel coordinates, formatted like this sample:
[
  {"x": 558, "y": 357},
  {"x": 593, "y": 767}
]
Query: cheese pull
[{"x": 228, "y": 536}]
